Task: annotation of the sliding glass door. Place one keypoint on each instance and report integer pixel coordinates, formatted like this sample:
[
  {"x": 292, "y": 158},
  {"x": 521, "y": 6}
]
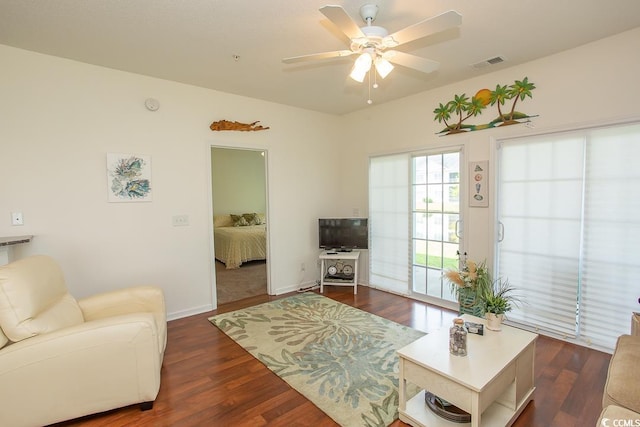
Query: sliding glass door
[
  {"x": 540, "y": 206},
  {"x": 568, "y": 209},
  {"x": 414, "y": 218},
  {"x": 435, "y": 215}
]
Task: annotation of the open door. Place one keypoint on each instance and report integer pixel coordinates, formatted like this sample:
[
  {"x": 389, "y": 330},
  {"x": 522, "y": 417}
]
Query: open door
[{"x": 240, "y": 226}]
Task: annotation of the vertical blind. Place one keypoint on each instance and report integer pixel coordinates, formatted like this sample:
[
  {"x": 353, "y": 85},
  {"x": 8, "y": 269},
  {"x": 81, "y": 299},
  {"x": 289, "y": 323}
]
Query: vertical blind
[
  {"x": 389, "y": 222},
  {"x": 568, "y": 206}
]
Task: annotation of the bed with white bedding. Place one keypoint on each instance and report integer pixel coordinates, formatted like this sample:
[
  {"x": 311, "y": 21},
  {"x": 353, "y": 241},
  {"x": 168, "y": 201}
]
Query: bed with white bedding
[{"x": 236, "y": 243}]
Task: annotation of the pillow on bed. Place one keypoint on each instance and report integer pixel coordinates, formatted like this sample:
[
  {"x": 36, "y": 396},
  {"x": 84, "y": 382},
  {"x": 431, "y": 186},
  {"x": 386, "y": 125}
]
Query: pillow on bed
[
  {"x": 252, "y": 218},
  {"x": 239, "y": 220},
  {"x": 222, "y": 221}
]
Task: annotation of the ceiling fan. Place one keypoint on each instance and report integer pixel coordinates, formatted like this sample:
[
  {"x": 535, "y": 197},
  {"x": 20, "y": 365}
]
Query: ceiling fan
[{"x": 375, "y": 46}]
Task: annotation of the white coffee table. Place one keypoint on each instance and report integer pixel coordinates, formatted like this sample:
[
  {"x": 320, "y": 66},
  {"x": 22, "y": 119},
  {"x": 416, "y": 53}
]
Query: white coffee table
[{"x": 493, "y": 383}]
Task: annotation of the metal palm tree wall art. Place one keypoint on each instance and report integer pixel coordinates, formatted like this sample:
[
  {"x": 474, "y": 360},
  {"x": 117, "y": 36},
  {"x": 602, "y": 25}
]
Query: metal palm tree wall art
[{"x": 462, "y": 108}]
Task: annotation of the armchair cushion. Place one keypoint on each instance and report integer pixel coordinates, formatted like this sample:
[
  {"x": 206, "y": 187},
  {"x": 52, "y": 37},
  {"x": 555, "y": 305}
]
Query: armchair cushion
[
  {"x": 138, "y": 299},
  {"x": 73, "y": 358},
  {"x": 34, "y": 299},
  {"x": 623, "y": 378},
  {"x": 84, "y": 369}
]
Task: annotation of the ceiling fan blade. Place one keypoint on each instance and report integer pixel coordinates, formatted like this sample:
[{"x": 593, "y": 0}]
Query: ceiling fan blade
[
  {"x": 316, "y": 56},
  {"x": 429, "y": 26},
  {"x": 342, "y": 20},
  {"x": 411, "y": 61}
]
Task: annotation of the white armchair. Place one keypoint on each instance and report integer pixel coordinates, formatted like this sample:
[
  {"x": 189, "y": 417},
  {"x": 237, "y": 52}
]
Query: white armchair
[{"x": 62, "y": 359}]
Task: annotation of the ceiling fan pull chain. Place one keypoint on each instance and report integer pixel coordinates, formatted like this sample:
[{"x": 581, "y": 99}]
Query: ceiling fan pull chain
[
  {"x": 369, "y": 101},
  {"x": 375, "y": 78}
]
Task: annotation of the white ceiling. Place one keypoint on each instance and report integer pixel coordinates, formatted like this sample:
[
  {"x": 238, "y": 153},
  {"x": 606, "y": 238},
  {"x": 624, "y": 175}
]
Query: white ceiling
[{"x": 195, "y": 41}]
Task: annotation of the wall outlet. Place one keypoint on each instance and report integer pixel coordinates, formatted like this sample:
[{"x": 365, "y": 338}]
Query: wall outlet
[
  {"x": 16, "y": 218},
  {"x": 180, "y": 220},
  {"x": 303, "y": 267}
]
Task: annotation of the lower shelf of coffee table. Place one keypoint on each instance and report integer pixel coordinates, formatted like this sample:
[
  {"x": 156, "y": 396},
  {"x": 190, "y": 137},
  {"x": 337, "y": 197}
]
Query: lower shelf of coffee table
[{"x": 418, "y": 414}]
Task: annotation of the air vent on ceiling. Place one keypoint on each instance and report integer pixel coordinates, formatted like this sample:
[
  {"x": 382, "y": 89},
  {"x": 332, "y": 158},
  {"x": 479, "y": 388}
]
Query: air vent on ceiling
[{"x": 491, "y": 61}]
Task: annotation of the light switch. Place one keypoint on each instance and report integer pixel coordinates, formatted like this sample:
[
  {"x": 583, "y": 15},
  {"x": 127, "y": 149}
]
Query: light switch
[{"x": 180, "y": 220}]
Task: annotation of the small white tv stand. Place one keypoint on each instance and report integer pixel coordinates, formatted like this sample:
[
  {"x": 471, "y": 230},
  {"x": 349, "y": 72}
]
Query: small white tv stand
[{"x": 340, "y": 278}]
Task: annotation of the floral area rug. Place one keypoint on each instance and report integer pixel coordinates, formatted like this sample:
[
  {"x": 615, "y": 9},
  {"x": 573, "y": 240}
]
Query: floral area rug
[{"x": 342, "y": 359}]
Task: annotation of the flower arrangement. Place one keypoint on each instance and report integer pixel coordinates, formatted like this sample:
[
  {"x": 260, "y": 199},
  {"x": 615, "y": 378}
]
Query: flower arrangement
[
  {"x": 477, "y": 292},
  {"x": 471, "y": 278},
  {"x": 472, "y": 275},
  {"x": 469, "y": 283}
]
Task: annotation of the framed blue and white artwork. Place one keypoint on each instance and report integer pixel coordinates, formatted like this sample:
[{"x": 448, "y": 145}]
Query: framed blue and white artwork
[{"x": 128, "y": 178}]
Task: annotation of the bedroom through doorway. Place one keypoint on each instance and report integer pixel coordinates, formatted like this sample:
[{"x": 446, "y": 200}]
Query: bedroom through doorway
[{"x": 239, "y": 206}]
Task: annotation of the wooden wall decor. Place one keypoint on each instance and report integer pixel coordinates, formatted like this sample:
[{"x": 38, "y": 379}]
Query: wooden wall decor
[{"x": 242, "y": 127}]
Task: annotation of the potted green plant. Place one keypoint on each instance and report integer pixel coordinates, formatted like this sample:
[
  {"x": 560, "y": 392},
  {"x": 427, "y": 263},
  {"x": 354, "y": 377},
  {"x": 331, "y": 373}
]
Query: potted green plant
[{"x": 496, "y": 301}]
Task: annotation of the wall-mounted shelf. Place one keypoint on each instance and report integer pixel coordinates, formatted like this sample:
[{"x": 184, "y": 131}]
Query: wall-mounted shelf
[{"x": 5, "y": 246}]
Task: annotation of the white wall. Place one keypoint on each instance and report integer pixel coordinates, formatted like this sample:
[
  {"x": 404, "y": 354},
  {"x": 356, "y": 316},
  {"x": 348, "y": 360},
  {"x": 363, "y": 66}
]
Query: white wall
[
  {"x": 591, "y": 84},
  {"x": 59, "y": 119},
  {"x": 238, "y": 180}
]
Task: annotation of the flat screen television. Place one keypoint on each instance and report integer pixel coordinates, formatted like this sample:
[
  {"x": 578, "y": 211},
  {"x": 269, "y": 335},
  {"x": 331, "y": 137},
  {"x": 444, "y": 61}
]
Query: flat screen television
[{"x": 343, "y": 234}]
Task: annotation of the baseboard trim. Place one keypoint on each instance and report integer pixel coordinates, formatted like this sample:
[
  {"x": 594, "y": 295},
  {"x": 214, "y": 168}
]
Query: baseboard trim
[{"x": 190, "y": 312}]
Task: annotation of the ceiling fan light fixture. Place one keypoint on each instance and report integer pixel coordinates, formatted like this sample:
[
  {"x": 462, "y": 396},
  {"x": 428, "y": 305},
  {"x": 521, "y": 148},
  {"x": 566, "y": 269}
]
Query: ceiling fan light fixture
[
  {"x": 383, "y": 67},
  {"x": 361, "y": 67},
  {"x": 358, "y": 74}
]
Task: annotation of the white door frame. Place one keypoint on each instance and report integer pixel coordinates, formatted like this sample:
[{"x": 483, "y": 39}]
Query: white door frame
[{"x": 212, "y": 264}]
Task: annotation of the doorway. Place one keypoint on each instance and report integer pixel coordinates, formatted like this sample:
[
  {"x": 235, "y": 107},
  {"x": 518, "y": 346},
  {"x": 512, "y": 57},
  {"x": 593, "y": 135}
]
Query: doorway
[{"x": 239, "y": 207}]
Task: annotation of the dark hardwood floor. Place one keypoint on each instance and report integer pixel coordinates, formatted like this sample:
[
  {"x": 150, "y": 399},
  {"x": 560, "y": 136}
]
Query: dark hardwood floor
[{"x": 209, "y": 380}]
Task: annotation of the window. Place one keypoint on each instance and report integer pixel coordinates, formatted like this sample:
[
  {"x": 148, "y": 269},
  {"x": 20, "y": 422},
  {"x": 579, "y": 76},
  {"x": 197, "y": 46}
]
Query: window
[{"x": 568, "y": 206}]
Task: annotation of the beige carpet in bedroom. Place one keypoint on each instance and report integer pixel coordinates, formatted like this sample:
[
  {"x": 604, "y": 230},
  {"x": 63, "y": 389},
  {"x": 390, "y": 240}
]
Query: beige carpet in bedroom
[{"x": 239, "y": 283}]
